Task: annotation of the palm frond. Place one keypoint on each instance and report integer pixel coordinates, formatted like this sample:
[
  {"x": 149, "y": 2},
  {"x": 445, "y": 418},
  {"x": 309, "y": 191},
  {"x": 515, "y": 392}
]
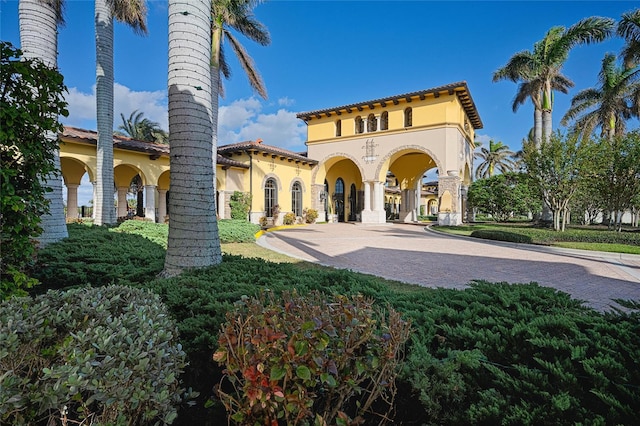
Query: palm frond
[
  {"x": 131, "y": 12},
  {"x": 248, "y": 65}
]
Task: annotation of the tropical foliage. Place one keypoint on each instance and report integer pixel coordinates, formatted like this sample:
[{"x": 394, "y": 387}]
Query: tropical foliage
[
  {"x": 498, "y": 157},
  {"x": 540, "y": 71},
  {"x": 609, "y": 105},
  {"x": 142, "y": 129},
  {"x": 503, "y": 196},
  {"x": 31, "y": 101}
]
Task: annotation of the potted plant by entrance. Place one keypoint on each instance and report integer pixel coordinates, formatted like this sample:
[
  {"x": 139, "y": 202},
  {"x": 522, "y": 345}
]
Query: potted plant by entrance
[{"x": 333, "y": 218}]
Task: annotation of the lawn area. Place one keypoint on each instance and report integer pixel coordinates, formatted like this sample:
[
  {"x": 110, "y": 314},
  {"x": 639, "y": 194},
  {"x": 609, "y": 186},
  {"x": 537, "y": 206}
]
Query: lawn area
[
  {"x": 490, "y": 354},
  {"x": 596, "y": 238}
]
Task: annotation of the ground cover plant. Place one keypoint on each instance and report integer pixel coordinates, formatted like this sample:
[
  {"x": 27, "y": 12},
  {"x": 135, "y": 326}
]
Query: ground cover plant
[
  {"x": 585, "y": 237},
  {"x": 107, "y": 355},
  {"x": 493, "y": 353}
]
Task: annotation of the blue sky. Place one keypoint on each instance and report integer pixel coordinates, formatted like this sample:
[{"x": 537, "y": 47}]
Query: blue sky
[{"x": 331, "y": 53}]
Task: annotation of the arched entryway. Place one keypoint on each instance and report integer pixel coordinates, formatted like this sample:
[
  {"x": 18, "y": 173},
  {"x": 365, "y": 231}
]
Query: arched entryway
[{"x": 338, "y": 199}]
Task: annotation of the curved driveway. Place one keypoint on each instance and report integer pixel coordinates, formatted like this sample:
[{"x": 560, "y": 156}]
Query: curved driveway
[{"x": 412, "y": 254}]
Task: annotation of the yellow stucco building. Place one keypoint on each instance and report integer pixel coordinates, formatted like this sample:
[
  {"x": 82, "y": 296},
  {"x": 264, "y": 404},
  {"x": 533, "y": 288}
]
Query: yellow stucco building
[{"x": 365, "y": 163}]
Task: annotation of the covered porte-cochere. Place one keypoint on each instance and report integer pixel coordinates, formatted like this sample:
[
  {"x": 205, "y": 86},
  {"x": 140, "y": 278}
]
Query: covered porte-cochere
[{"x": 365, "y": 150}]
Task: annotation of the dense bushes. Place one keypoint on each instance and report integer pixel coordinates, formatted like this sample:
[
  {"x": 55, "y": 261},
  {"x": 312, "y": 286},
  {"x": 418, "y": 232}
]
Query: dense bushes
[
  {"x": 237, "y": 231},
  {"x": 304, "y": 358},
  {"x": 493, "y": 353},
  {"x": 501, "y": 236},
  {"x": 101, "y": 356}
]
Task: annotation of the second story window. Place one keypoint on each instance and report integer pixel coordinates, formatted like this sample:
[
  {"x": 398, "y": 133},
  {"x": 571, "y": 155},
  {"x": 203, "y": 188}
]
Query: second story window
[
  {"x": 372, "y": 123},
  {"x": 384, "y": 121},
  {"x": 338, "y": 127},
  {"x": 359, "y": 125},
  {"x": 408, "y": 117}
]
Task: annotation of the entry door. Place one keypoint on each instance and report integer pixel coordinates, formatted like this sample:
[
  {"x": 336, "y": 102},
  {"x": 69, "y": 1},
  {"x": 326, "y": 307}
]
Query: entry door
[
  {"x": 339, "y": 199},
  {"x": 352, "y": 203}
]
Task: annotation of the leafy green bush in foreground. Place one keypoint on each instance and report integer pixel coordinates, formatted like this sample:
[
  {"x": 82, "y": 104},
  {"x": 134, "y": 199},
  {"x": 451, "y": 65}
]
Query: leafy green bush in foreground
[
  {"x": 101, "y": 356},
  {"x": 512, "y": 237},
  {"x": 493, "y": 353}
]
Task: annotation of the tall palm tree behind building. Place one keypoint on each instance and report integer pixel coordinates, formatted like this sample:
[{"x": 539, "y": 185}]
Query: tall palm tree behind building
[
  {"x": 142, "y": 129},
  {"x": 607, "y": 106},
  {"x": 497, "y": 157},
  {"x": 132, "y": 13},
  {"x": 39, "y": 22},
  {"x": 540, "y": 69}
]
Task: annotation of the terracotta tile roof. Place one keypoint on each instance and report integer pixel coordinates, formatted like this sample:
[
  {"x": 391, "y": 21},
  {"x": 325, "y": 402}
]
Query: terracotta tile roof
[
  {"x": 459, "y": 88},
  {"x": 129, "y": 144},
  {"x": 258, "y": 146}
]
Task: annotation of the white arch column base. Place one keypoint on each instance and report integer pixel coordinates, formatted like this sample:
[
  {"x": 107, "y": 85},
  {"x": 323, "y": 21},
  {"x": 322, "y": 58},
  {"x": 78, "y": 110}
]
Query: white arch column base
[
  {"x": 150, "y": 202},
  {"x": 374, "y": 214}
]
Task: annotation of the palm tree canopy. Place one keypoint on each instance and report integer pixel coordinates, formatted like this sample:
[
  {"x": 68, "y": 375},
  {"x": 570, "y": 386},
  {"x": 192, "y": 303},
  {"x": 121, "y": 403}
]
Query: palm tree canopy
[
  {"x": 132, "y": 13},
  {"x": 607, "y": 106},
  {"x": 497, "y": 157},
  {"x": 139, "y": 128},
  {"x": 237, "y": 15},
  {"x": 629, "y": 29}
]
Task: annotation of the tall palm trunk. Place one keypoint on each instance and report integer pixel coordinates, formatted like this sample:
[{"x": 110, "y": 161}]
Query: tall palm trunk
[
  {"x": 193, "y": 229},
  {"x": 537, "y": 126},
  {"x": 104, "y": 204},
  {"x": 39, "y": 39}
]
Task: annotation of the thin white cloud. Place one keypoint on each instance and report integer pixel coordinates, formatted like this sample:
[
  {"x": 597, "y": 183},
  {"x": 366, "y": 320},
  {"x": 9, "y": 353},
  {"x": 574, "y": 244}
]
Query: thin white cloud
[{"x": 286, "y": 102}]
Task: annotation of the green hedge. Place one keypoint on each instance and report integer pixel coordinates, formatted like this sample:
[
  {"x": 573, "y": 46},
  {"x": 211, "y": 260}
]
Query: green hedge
[
  {"x": 237, "y": 231},
  {"x": 488, "y": 234}
]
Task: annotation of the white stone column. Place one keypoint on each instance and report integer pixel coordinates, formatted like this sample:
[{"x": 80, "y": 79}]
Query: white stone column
[
  {"x": 150, "y": 202},
  {"x": 122, "y": 201},
  {"x": 367, "y": 196},
  {"x": 95, "y": 197},
  {"x": 72, "y": 201},
  {"x": 221, "y": 204},
  {"x": 162, "y": 205}
]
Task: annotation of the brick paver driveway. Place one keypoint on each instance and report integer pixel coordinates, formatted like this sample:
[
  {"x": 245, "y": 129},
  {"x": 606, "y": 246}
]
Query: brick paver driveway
[{"x": 412, "y": 254}]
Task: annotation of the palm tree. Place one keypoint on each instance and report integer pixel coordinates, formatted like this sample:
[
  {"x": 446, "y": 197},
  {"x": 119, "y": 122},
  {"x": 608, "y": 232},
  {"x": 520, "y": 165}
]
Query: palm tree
[
  {"x": 132, "y": 13},
  {"x": 629, "y": 29},
  {"x": 193, "y": 230},
  {"x": 609, "y": 105},
  {"x": 39, "y": 22},
  {"x": 497, "y": 157},
  {"x": 142, "y": 129},
  {"x": 540, "y": 70}
]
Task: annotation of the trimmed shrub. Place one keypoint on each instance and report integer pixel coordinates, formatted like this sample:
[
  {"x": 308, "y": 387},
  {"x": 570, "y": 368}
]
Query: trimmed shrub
[
  {"x": 310, "y": 215},
  {"x": 501, "y": 236},
  {"x": 101, "y": 356},
  {"x": 96, "y": 256},
  {"x": 240, "y": 204},
  {"x": 289, "y": 219},
  {"x": 301, "y": 358},
  {"x": 237, "y": 231}
]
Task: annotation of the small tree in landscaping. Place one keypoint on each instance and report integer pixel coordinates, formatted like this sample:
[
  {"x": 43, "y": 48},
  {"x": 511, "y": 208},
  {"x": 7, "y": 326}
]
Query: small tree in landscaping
[
  {"x": 30, "y": 102},
  {"x": 557, "y": 169},
  {"x": 240, "y": 204},
  {"x": 503, "y": 196}
]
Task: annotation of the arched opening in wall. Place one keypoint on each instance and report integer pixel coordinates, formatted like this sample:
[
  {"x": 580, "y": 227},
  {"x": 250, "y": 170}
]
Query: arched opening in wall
[
  {"x": 338, "y": 199},
  {"x": 270, "y": 196},
  {"x": 296, "y": 198},
  {"x": 326, "y": 201},
  {"x": 135, "y": 197},
  {"x": 408, "y": 117},
  {"x": 359, "y": 125},
  {"x": 353, "y": 198},
  {"x": 372, "y": 123},
  {"x": 407, "y": 181},
  {"x": 384, "y": 121},
  {"x": 77, "y": 191}
]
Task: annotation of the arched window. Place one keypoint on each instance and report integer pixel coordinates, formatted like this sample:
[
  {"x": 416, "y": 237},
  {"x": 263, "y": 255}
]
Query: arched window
[
  {"x": 296, "y": 199},
  {"x": 359, "y": 125},
  {"x": 270, "y": 196},
  {"x": 384, "y": 121},
  {"x": 408, "y": 117},
  {"x": 372, "y": 123},
  {"x": 338, "y": 127},
  {"x": 338, "y": 199}
]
